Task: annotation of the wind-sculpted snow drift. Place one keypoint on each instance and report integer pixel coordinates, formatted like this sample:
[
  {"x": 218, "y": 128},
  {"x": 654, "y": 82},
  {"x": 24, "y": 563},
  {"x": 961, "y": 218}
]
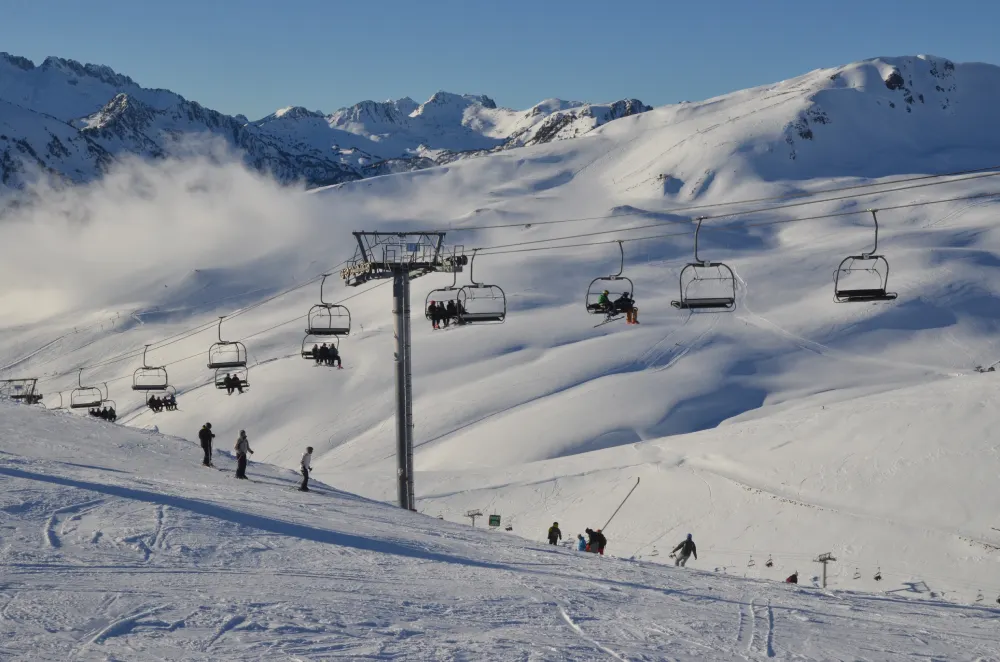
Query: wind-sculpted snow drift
[{"x": 791, "y": 427}]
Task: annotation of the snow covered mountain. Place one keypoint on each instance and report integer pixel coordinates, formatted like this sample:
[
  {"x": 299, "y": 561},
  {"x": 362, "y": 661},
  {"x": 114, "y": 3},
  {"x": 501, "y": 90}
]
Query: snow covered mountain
[
  {"x": 790, "y": 427},
  {"x": 115, "y": 117},
  {"x": 115, "y": 546}
]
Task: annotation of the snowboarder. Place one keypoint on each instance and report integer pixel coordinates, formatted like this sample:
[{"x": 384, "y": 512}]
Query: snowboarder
[
  {"x": 581, "y": 543},
  {"x": 555, "y": 535},
  {"x": 306, "y": 468},
  {"x": 242, "y": 448},
  {"x": 205, "y": 435},
  {"x": 601, "y": 542},
  {"x": 315, "y": 353},
  {"x": 591, "y": 541},
  {"x": 451, "y": 313},
  {"x": 324, "y": 355},
  {"x": 793, "y": 578},
  {"x": 687, "y": 548},
  {"x": 228, "y": 381}
]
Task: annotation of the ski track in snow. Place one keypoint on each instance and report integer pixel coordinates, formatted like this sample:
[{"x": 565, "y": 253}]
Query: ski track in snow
[
  {"x": 576, "y": 628},
  {"x": 50, "y": 534}
]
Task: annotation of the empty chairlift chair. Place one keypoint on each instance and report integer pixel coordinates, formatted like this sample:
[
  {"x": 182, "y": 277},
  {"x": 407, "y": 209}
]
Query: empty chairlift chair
[
  {"x": 328, "y": 319},
  {"x": 864, "y": 277},
  {"x": 611, "y": 288},
  {"x": 149, "y": 378},
  {"x": 705, "y": 285},
  {"x": 480, "y": 303},
  {"x": 226, "y": 354},
  {"x": 85, "y": 397}
]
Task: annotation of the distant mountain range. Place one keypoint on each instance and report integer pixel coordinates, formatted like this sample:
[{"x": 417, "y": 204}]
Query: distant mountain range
[{"x": 74, "y": 120}]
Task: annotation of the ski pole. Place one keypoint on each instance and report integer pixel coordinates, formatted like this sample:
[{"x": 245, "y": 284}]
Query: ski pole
[{"x": 621, "y": 504}]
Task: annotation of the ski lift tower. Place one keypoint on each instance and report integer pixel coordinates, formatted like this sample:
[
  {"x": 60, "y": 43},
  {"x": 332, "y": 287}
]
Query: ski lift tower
[{"x": 401, "y": 256}]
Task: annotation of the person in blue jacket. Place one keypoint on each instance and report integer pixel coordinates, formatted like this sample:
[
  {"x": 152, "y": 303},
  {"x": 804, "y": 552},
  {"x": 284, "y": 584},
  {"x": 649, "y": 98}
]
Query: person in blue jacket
[{"x": 581, "y": 543}]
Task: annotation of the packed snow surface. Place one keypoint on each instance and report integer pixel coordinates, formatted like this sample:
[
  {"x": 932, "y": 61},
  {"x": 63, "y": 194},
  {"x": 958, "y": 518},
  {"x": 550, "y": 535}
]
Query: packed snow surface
[
  {"x": 116, "y": 544},
  {"x": 791, "y": 427}
]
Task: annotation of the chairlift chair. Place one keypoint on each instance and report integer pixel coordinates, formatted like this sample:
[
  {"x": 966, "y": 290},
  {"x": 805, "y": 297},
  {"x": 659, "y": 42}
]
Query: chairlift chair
[
  {"x": 226, "y": 354},
  {"x": 328, "y": 319},
  {"x": 309, "y": 341},
  {"x": 860, "y": 289},
  {"x": 149, "y": 378},
  {"x": 706, "y": 285},
  {"x": 480, "y": 303},
  {"x": 616, "y": 285},
  {"x": 163, "y": 393},
  {"x": 85, "y": 397},
  {"x": 442, "y": 295},
  {"x": 240, "y": 373}
]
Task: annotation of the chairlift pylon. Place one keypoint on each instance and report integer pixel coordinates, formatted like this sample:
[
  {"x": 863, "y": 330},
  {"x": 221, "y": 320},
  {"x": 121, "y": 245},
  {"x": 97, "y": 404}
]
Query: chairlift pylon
[
  {"x": 21, "y": 389},
  {"x": 480, "y": 303},
  {"x": 872, "y": 288},
  {"x": 226, "y": 354},
  {"x": 706, "y": 285},
  {"x": 149, "y": 378},
  {"x": 328, "y": 319},
  {"x": 85, "y": 397},
  {"x": 604, "y": 291}
]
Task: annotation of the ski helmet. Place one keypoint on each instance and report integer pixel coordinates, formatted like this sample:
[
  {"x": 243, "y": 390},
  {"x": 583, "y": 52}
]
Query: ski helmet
[{"x": 689, "y": 536}]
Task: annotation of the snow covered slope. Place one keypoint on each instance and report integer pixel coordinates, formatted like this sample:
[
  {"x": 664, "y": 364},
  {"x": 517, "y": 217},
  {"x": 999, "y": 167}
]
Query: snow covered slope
[
  {"x": 116, "y": 544},
  {"x": 115, "y": 116},
  {"x": 546, "y": 417}
]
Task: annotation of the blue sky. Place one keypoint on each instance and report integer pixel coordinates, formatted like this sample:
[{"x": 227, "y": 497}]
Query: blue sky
[{"x": 252, "y": 57}]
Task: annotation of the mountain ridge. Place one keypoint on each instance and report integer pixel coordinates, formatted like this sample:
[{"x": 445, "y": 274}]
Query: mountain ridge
[{"x": 116, "y": 116}]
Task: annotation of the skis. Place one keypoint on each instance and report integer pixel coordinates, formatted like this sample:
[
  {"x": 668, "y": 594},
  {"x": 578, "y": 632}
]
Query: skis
[{"x": 608, "y": 321}]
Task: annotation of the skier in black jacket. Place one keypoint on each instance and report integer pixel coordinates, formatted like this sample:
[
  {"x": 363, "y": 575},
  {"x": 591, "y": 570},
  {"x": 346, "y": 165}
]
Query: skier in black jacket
[
  {"x": 687, "y": 549},
  {"x": 555, "y": 535},
  {"x": 205, "y": 435}
]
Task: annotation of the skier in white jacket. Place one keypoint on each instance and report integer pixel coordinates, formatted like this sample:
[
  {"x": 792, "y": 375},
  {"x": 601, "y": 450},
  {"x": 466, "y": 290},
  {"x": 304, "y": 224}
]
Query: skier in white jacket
[
  {"x": 306, "y": 468},
  {"x": 242, "y": 448}
]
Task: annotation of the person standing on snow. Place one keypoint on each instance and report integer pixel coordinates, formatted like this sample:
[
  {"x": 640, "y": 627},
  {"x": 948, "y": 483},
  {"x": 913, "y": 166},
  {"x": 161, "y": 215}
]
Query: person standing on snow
[
  {"x": 581, "y": 543},
  {"x": 306, "y": 468},
  {"x": 600, "y": 541},
  {"x": 242, "y": 448},
  {"x": 205, "y": 436},
  {"x": 687, "y": 548},
  {"x": 555, "y": 535}
]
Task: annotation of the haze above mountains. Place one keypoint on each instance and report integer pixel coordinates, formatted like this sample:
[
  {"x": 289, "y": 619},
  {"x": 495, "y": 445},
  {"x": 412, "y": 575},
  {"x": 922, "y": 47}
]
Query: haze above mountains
[{"x": 74, "y": 120}]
